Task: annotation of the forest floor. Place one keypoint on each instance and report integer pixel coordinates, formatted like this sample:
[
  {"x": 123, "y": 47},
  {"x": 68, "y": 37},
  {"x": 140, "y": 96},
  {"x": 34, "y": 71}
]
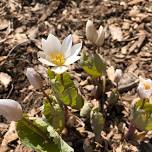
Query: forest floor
[{"x": 128, "y": 46}]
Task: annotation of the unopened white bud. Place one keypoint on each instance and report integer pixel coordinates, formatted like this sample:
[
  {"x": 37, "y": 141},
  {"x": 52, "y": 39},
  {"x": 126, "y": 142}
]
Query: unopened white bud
[
  {"x": 101, "y": 36},
  {"x": 96, "y": 37},
  {"x": 91, "y": 32},
  {"x": 34, "y": 78},
  {"x": 10, "y": 109},
  {"x": 144, "y": 89},
  {"x": 117, "y": 75}
]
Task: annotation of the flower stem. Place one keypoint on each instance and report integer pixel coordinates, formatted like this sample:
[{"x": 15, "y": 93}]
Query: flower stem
[
  {"x": 64, "y": 106},
  {"x": 65, "y": 115},
  {"x": 62, "y": 80},
  {"x": 103, "y": 92},
  {"x": 143, "y": 103},
  {"x": 46, "y": 96}
]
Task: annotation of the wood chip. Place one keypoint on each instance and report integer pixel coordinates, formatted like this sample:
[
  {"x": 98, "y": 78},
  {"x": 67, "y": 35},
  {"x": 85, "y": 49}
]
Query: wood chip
[{"x": 116, "y": 32}]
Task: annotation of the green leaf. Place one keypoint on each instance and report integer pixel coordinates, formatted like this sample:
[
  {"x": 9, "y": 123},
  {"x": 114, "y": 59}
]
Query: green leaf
[
  {"x": 86, "y": 109},
  {"x": 66, "y": 92},
  {"x": 142, "y": 118},
  {"x": 62, "y": 145},
  {"x": 94, "y": 65},
  {"x": 51, "y": 74},
  {"x": 97, "y": 121},
  {"x": 100, "y": 64},
  {"x": 54, "y": 115},
  {"x": 40, "y": 137}
]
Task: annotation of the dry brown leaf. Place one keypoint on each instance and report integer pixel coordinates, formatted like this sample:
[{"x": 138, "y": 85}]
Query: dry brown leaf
[
  {"x": 3, "y": 24},
  {"x": 116, "y": 32},
  {"x": 10, "y": 136}
]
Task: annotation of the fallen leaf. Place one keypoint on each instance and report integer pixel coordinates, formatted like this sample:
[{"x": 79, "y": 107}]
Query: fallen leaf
[{"x": 116, "y": 32}]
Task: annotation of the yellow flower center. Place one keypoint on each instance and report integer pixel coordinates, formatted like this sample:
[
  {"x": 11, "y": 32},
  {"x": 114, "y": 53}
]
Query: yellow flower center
[
  {"x": 146, "y": 86},
  {"x": 57, "y": 58}
]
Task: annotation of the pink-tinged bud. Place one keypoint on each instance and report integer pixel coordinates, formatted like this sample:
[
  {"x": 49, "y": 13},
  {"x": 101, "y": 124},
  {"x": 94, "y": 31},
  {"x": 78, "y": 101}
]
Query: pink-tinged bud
[
  {"x": 101, "y": 36},
  {"x": 144, "y": 89},
  {"x": 34, "y": 78},
  {"x": 10, "y": 109},
  {"x": 91, "y": 32},
  {"x": 117, "y": 75}
]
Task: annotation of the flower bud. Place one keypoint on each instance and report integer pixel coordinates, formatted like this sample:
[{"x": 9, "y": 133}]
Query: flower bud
[
  {"x": 34, "y": 78},
  {"x": 10, "y": 109},
  {"x": 117, "y": 75},
  {"x": 91, "y": 32},
  {"x": 101, "y": 36},
  {"x": 144, "y": 89}
]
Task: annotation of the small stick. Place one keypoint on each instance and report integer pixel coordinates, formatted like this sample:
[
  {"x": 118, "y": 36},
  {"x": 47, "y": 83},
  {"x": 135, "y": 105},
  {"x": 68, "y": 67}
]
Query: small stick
[{"x": 131, "y": 131}]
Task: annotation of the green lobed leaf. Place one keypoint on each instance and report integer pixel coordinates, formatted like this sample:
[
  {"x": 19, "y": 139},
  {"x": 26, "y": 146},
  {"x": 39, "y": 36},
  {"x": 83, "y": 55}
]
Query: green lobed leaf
[
  {"x": 66, "y": 93},
  {"x": 142, "y": 118},
  {"x": 32, "y": 137},
  {"x": 54, "y": 115},
  {"x": 94, "y": 65}
]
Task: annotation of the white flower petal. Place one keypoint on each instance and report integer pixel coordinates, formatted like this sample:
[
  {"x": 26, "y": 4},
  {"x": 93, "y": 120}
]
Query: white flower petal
[
  {"x": 11, "y": 109},
  {"x": 53, "y": 43},
  {"x": 101, "y": 36},
  {"x": 143, "y": 93},
  {"x": 66, "y": 45},
  {"x": 76, "y": 49},
  {"x": 91, "y": 32},
  {"x": 60, "y": 69},
  {"x": 41, "y": 54},
  {"x": 45, "y": 61},
  {"x": 71, "y": 60},
  {"x": 45, "y": 46},
  {"x": 148, "y": 81}
]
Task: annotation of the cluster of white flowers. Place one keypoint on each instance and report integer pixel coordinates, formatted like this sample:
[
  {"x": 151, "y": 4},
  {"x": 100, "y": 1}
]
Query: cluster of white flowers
[{"x": 59, "y": 56}]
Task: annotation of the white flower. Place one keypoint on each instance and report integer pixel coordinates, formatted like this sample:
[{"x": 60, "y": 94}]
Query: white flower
[
  {"x": 144, "y": 88},
  {"x": 34, "y": 78},
  {"x": 117, "y": 75},
  {"x": 10, "y": 109},
  {"x": 96, "y": 37},
  {"x": 59, "y": 56},
  {"x": 114, "y": 75}
]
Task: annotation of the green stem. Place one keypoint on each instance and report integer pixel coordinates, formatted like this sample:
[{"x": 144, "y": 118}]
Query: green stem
[
  {"x": 62, "y": 80},
  {"x": 103, "y": 79},
  {"x": 143, "y": 103},
  {"x": 36, "y": 129},
  {"x": 64, "y": 106},
  {"x": 46, "y": 96}
]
